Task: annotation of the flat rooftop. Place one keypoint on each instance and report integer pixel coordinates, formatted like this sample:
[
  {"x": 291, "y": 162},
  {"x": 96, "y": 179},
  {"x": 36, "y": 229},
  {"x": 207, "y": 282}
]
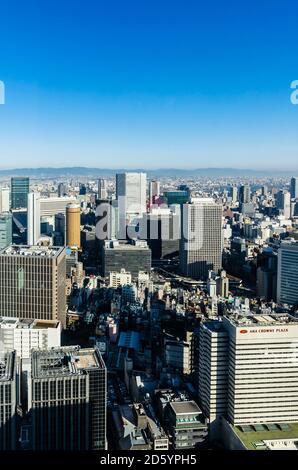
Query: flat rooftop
[
  {"x": 272, "y": 319},
  {"x": 254, "y": 436},
  {"x": 27, "y": 323},
  {"x": 215, "y": 326},
  {"x": 185, "y": 407},
  {"x": 126, "y": 246},
  {"x": 33, "y": 251},
  {"x": 64, "y": 361}
]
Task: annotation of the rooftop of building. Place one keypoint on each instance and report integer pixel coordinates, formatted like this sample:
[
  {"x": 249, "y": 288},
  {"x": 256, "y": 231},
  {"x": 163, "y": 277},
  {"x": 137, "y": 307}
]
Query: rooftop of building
[
  {"x": 254, "y": 435},
  {"x": 64, "y": 361},
  {"x": 169, "y": 395},
  {"x": 126, "y": 245},
  {"x": 26, "y": 323},
  {"x": 215, "y": 326},
  {"x": 273, "y": 319},
  {"x": 33, "y": 251},
  {"x": 185, "y": 407}
]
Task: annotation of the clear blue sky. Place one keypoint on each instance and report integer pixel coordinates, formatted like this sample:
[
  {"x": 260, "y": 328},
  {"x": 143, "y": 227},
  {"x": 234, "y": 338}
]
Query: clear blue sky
[{"x": 152, "y": 83}]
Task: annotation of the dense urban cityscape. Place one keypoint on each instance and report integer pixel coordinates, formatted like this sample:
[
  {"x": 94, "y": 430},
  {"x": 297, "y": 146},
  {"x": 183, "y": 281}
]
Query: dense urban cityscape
[{"x": 148, "y": 314}]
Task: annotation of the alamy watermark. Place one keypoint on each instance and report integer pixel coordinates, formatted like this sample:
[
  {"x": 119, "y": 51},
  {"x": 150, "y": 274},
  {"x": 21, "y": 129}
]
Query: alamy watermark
[
  {"x": 2, "y": 92},
  {"x": 294, "y": 94},
  {"x": 167, "y": 224}
]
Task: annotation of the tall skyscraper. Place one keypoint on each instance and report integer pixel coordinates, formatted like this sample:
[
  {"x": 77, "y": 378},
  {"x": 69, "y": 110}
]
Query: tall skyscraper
[
  {"x": 233, "y": 193},
  {"x": 5, "y": 229},
  {"x": 244, "y": 194},
  {"x": 201, "y": 238},
  {"x": 32, "y": 283},
  {"x": 4, "y": 200},
  {"x": 9, "y": 399},
  {"x": 154, "y": 191},
  {"x": 131, "y": 196},
  {"x": 19, "y": 192},
  {"x": 33, "y": 218},
  {"x": 294, "y": 188},
  {"x": 68, "y": 399},
  {"x": 248, "y": 369},
  {"x": 212, "y": 366},
  {"x": 102, "y": 189},
  {"x": 59, "y": 234},
  {"x": 73, "y": 225},
  {"x": 287, "y": 273},
  {"x": 283, "y": 203},
  {"x": 61, "y": 190}
]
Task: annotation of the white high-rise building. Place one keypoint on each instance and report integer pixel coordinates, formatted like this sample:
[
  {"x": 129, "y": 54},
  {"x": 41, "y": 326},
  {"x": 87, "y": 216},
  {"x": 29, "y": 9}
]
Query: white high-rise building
[
  {"x": 248, "y": 369},
  {"x": 283, "y": 203},
  {"x": 213, "y": 369},
  {"x": 102, "y": 189},
  {"x": 201, "y": 238},
  {"x": 50, "y": 206},
  {"x": 24, "y": 335},
  {"x": 263, "y": 369},
  {"x": 287, "y": 273},
  {"x": 33, "y": 218},
  {"x": 131, "y": 195},
  {"x": 4, "y": 200}
]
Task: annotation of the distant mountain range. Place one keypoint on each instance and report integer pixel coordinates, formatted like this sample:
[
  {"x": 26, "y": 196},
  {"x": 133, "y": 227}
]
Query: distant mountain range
[{"x": 163, "y": 172}]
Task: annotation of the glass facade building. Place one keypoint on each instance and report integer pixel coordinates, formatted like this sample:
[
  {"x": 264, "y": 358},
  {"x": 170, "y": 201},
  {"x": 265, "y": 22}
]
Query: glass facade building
[{"x": 19, "y": 192}]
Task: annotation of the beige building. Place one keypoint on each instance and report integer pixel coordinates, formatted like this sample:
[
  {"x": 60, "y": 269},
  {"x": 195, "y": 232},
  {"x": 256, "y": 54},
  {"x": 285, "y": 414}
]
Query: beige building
[
  {"x": 73, "y": 225},
  {"x": 201, "y": 238},
  {"x": 248, "y": 369},
  {"x": 32, "y": 283}
]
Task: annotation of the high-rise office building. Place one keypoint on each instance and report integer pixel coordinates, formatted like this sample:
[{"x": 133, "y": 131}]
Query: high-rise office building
[
  {"x": 33, "y": 218},
  {"x": 177, "y": 196},
  {"x": 9, "y": 399},
  {"x": 162, "y": 227},
  {"x": 154, "y": 191},
  {"x": 133, "y": 257},
  {"x": 27, "y": 334},
  {"x": 68, "y": 399},
  {"x": 73, "y": 225},
  {"x": 244, "y": 194},
  {"x": 59, "y": 233},
  {"x": 5, "y": 229},
  {"x": 287, "y": 273},
  {"x": 102, "y": 189},
  {"x": 131, "y": 196},
  {"x": 294, "y": 187},
  {"x": 248, "y": 369},
  {"x": 263, "y": 369},
  {"x": 19, "y": 192},
  {"x": 82, "y": 189},
  {"x": 50, "y": 206},
  {"x": 201, "y": 238},
  {"x": 62, "y": 190},
  {"x": 212, "y": 370},
  {"x": 283, "y": 203},
  {"x": 233, "y": 193},
  {"x": 4, "y": 200},
  {"x": 32, "y": 283}
]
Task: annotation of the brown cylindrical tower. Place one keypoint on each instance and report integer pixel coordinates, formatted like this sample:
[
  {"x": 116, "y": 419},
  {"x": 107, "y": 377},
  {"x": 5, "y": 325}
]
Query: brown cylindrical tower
[{"x": 73, "y": 225}]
